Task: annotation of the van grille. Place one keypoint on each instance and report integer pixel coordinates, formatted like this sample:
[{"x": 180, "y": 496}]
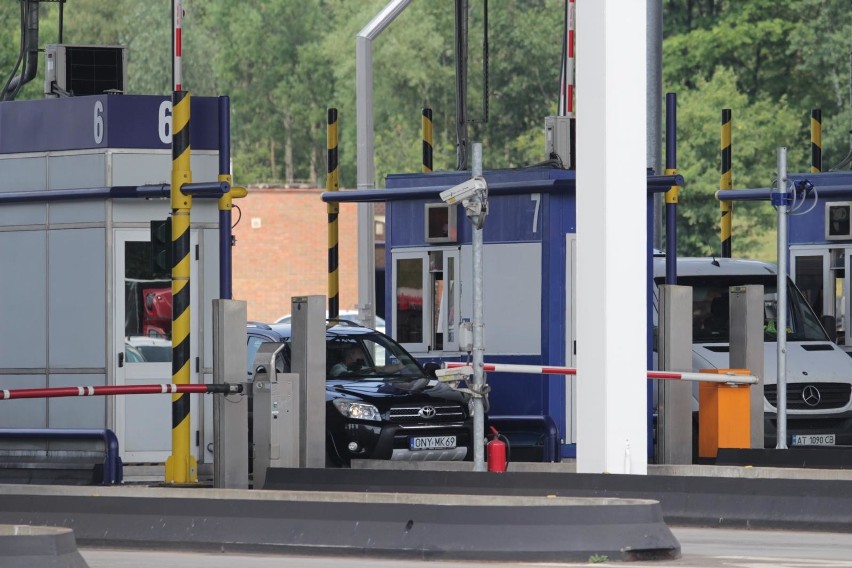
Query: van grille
[
  {"x": 443, "y": 413},
  {"x": 831, "y": 395}
]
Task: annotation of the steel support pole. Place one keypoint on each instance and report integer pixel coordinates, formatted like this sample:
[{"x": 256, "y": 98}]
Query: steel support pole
[
  {"x": 478, "y": 343},
  {"x": 781, "y": 308},
  {"x": 225, "y": 202},
  {"x": 365, "y": 150}
]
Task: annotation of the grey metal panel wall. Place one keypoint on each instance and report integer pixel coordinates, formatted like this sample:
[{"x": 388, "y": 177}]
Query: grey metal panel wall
[
  {"x": 15, "y": 214},
  {"x": 76, "y": 291},
  {"x": 77, "y": 212},
  {"x": 148, "y": 425},
  {"x": 25, "y": 412},
  {"x": 139, "y": 210},
  {"x": 76, "y": 170},
  {"x": 23, "y": 174},
  {"x": 135, "y": 168},
  {"x": 23, "y": 309},
  {"x": 78, "y": 411}
]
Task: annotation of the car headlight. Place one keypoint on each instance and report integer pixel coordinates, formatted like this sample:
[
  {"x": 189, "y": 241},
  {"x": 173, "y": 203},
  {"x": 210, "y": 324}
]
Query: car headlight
[{"x": 357, "y": 410}]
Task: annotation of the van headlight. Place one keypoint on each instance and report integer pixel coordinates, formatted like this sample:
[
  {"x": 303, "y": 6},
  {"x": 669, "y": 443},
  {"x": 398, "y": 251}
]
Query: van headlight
[{"x": 357, "y": 410}]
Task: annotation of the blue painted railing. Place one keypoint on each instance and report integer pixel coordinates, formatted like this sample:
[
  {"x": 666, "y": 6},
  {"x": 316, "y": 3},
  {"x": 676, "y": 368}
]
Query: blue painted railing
[{"x": 113, "y": 468}]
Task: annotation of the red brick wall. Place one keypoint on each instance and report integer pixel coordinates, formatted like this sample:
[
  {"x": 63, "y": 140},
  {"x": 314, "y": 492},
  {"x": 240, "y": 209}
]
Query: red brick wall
[{"x": 287, "y": 255}]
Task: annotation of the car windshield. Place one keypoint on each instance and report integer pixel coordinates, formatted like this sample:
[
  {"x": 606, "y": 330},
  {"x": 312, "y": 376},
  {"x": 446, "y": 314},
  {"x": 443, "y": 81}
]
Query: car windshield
[
  {"x": 369, "y": 356},
  {"x": 710, "y": 305}
]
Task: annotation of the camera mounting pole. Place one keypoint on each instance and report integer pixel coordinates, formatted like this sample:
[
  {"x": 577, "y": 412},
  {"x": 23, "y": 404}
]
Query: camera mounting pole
[{"x": 473, "y": 195}]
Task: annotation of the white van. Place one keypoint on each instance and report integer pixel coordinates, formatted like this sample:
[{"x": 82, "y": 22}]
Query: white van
[{"x": 819, "y": 373}]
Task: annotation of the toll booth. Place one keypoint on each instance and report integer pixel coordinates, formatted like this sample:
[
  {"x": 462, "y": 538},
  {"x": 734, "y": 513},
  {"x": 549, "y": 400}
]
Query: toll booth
[
  {"x": 820, "y": 249},
  {"x": 80, "y": 304},
  {"x": 529, "y": 264}
]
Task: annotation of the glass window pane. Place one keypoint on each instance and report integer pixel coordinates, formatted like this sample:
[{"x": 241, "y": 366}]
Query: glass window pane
[
  {"x": 808, "y": 278},
  {"x": 409, "y": 300},
  {"x": 147, "y": 308}
]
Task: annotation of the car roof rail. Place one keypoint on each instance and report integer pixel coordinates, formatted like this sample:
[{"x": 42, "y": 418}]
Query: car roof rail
[{"x": 259, "y": 325}]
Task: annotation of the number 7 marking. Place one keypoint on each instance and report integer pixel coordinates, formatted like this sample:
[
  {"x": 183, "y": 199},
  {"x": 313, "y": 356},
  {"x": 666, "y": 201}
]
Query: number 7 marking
[{"x": 537, "y": 198}]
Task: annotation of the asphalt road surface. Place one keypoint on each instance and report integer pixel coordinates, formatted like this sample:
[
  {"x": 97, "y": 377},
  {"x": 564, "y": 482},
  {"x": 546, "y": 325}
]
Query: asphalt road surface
[{"x": 730, "y": 548}]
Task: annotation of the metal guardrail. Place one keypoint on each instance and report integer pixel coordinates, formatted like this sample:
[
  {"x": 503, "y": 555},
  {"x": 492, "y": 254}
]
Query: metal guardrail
[{"x": 113, "y": 468}]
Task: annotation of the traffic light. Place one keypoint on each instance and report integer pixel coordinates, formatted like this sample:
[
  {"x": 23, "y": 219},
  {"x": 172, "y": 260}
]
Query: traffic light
[{"x": 161, "y": 248}]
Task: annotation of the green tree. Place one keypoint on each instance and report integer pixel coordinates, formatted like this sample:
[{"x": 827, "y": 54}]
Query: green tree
[{"x": 771, "y": 62}]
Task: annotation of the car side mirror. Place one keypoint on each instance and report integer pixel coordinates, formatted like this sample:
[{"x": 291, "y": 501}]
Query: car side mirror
[{"x": 430, "y": 369}]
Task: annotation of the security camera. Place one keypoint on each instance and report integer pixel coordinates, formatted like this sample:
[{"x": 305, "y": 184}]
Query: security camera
[
  {"x": 454, "y": 374},
  {"x": 464, "y": 190}
]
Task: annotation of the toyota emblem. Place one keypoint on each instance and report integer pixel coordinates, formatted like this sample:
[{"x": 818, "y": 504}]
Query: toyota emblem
[
  {"x": 811, "y": 396},
  {"x": 429, "y": 411}
]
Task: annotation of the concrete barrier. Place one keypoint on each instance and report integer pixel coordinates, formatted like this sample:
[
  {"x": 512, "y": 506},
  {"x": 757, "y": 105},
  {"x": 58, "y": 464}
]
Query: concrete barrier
[
  {"x": 24, "y": 546},
  {"x": 477, "y": 527}
]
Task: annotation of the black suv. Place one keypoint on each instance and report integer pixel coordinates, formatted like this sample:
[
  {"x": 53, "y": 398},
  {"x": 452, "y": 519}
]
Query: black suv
[{"x": 380, "y": 402}]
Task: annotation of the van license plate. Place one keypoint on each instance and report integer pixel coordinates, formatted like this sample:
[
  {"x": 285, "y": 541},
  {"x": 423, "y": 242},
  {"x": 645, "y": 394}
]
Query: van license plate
[
  {"x": 813, "y": 439},
  {"x": 432, "y": 443}
]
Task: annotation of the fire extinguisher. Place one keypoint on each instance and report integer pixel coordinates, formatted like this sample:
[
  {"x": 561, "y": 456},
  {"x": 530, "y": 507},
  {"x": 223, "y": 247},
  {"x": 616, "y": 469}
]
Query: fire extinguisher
[{"x": 497, "y": 451}]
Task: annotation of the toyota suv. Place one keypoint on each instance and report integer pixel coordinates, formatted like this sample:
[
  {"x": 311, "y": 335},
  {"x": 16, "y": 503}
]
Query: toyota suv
[{"x": 380, "y": 402}]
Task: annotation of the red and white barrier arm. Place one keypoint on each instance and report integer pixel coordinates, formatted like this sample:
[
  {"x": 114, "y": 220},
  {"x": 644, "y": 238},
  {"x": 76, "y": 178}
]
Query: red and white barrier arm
[
  {"x": 167, "y": 388},
  {"x": 667, "y": 375}
]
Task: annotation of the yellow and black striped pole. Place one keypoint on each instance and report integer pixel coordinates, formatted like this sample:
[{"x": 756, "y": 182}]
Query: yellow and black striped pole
[
  {"x": 332, "y": 183},
  {"x": 180, "y": 466},
  {"x": 816, "y": 140},
  {"x": 426, "y": 124},
  {"x": 726, "y": 182}
]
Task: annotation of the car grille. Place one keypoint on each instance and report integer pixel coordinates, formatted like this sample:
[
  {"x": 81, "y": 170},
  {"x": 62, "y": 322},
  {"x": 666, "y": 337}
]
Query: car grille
[
  {"x": 831, "y": 395},
  {"x": 443, "y": 413}
]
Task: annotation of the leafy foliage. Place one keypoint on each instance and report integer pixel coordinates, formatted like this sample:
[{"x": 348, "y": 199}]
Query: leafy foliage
[{"x": 284, "y": 62}]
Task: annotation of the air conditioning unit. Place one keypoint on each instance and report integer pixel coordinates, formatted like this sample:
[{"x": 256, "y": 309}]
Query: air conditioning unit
[{"x": 78, "y": 70}]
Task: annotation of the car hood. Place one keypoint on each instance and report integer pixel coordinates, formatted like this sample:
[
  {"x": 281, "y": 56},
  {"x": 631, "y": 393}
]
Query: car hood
[
  {"x": 805, "y": 361},
  {"x": 398, "y": 391}
]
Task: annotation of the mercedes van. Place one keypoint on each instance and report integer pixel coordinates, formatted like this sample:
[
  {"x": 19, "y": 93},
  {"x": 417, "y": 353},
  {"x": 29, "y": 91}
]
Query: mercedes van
[{"x": 819, "y": 373}]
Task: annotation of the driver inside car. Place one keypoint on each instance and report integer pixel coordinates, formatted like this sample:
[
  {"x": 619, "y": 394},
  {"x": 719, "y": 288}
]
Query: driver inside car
[{"x": 353, "y": 359}]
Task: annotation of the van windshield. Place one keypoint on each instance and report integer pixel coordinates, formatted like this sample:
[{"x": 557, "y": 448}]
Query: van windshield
[{"x": 710, "y": 304}]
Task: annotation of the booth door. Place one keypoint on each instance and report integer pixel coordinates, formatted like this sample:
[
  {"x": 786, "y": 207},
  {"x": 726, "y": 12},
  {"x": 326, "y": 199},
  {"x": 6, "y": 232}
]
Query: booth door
[
  {"x": 143, "y": 347},
  {"x": 820, "y": 274}
]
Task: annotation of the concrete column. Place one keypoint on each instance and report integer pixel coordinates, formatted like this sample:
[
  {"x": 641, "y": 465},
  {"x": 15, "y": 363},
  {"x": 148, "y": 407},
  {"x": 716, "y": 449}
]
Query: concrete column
[
  {"x": 611, "y": 237},
  {"x": 747, "y": 349},
  {"x": 674, "y": 417},
  {"x": 230, "y": 413},
  {"x": 308, "y": 361}
]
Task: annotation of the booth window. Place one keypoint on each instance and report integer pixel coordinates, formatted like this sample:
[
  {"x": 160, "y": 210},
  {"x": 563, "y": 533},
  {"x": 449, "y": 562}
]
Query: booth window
[{"x": 426, "y": 299}]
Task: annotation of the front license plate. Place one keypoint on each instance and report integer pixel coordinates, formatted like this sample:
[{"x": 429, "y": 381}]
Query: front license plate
[
  {"x": 432, "y": 443},
  {"x": 813, "y": 439}
]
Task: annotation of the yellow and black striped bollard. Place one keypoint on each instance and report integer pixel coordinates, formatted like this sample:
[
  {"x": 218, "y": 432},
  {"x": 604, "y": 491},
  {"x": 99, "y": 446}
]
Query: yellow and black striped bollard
[
  {"x": 332, "y": 183},
  {"x": 181, "y": 467},
  {"x": 816, "y": 140},
  {"x": 726, "y": 182},
  {"x": 426, "y": 124}
]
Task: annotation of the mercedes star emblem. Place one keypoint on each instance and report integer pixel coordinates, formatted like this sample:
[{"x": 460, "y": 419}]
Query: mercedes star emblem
[{"x": 811, "y": 396}]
